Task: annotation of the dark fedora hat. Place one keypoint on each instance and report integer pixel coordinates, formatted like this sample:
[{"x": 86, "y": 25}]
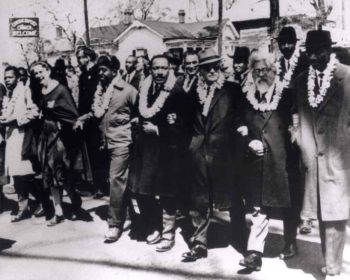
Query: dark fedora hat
[
  {"x": 287, "y": 34},
  {"x": 318, "y": 38},
  {"x": 241, "y": 55},
  {"x": 208, "y": 56}
]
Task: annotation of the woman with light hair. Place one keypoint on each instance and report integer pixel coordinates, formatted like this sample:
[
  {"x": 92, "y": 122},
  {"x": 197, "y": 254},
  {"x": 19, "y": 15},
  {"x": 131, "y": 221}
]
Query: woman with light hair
[{"x": 264, "y": 177}]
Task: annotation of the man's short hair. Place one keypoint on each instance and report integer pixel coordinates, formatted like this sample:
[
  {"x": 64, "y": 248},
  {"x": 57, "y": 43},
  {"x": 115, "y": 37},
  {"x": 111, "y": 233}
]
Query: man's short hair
[
  {"x": 12, "y": 68},
  {"x": 186, "y": 54},
  {"x": 260, "y": 55},
  {"x": 88, "y": 52},
  {"x": 159, "y": 56}
]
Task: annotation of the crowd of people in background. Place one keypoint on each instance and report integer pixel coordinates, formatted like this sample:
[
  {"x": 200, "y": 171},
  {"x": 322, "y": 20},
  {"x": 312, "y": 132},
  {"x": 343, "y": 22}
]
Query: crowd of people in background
[{"x": 164, "y": 138}]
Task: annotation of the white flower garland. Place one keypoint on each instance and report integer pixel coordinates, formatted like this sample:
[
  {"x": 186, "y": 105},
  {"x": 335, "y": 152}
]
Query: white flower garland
[
  {"x": 19, "y": 106},
  {"x": 187, "y": 79},
  {"x": 315, "y": 100},
  {"x": 202, "y": 90},
  {"x": 293, "y": 61},
  {"x": 149, "y": 112},
  {"x": 102, "y": 99}
]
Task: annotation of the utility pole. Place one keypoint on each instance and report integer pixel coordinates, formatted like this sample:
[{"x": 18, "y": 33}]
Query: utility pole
[
  {"x": 220, "y": 28},
  {"x": 87, "y": 30}
]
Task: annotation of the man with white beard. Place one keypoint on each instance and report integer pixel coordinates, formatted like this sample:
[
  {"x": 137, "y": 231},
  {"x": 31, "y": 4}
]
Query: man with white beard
[{"x": 264, "y": 177}]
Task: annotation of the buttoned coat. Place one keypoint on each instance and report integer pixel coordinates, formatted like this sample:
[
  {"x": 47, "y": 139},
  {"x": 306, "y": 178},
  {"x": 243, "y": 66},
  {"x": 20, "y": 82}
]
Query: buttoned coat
[
  {"x": 324, "y": 139},
  {"x": 264, "y": 179},
  {"x": 212, "y": 149}
]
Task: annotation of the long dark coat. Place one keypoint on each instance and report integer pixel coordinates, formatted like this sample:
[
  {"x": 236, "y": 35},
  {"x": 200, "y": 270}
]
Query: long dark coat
[
  {"x": 264, "y": 180},
  {"x": 212, "y": 149},
  {"x": 157, "y": 159},
  {"x": 324, "y": 140}
]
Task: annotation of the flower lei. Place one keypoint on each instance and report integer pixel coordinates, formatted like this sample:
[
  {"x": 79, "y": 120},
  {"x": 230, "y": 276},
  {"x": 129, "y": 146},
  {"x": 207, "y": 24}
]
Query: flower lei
[
  {"x": 293, "y": 61},
  {"x": 315, "y": 100},
  {"x": 250, "y": 89},
  {"x": 19, "y": 106},
  {"x": 149, "y": 112},
  {"x": 187, "y": 79},
  {"x": 102, "y": 99},
  {"x": 205, "y": 97}
]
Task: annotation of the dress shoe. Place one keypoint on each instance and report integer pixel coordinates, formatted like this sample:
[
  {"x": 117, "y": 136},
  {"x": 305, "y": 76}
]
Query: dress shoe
[
  {"x": 305, "y": 227},
  {"x": 330, "y": 272},
  {"x": 165, "y": 245},
  {"x": 153, "y": 238},
  {"x": 112, "y": 235},
  {"x": 21, "y": 215},
  {"x": 197, "y": 252},
  {"x": 39, "y": 212},
  {"x": 252, "y": 261},
  {"x": 57, "y": 219},
  {"x": 289, "y": 251}
]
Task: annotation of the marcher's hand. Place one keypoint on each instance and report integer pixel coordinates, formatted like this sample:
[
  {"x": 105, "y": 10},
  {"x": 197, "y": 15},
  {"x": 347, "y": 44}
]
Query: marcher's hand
[
  {"x": 257, "y": 147},
  {"x": 78, "y": 125},
  {"x": 171, "y": 118},
  {"x": 150, "y": 128},
  {"x": 243, "y": 130}
]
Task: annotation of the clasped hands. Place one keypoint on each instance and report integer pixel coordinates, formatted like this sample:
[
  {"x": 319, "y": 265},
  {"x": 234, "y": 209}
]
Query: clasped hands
[{"x": 256, "y": 147}]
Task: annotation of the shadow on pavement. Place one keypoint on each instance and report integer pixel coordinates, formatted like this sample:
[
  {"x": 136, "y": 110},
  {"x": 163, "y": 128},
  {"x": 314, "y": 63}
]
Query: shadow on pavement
[
  {"x": 6, "y": 244},
  {"x": 145, "y": 268},
  {"x": 309, "y": 258}
]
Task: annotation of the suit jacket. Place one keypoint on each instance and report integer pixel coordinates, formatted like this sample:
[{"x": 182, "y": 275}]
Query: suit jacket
[
  {"x": 324, "y": 139},
  {"x": 115, "y": 124},
  {"x": 264, "y": 180},
  {"x": 135, "y": 81},
  {"x": 212, "y": 149}
]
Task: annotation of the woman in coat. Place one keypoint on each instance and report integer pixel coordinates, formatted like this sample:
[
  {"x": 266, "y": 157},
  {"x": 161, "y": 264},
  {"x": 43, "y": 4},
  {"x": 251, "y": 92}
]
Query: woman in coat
[{"x": 58, "y": 146}]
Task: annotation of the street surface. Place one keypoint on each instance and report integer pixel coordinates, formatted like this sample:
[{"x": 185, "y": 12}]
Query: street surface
[{"x": 29, "y": 250}]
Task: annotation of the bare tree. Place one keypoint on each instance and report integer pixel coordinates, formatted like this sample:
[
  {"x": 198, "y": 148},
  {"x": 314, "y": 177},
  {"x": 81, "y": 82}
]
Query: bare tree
[
  {"x": 323, "y": 10},
  {"x": 229, "y": 4}
]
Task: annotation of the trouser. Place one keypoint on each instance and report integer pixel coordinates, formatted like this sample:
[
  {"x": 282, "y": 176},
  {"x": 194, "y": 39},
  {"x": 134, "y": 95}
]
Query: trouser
[
  {"x": 26, "y": 184},
  {"x": 168, "y": 217},
  {"x": 119, "y": 195},
  {"x": 333, "y": 236},
  {"x": 200, "y": 221},
  {"x": 258, "y": 223}
]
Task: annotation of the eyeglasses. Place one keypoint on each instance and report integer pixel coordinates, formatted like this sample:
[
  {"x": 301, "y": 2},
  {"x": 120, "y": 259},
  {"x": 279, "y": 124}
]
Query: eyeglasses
[
  {"x": 208, "y": 67},
  {"x": 261, "y": 71}
]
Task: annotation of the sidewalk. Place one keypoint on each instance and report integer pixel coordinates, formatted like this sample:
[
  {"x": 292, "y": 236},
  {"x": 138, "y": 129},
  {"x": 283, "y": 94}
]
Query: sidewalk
[{"x": 29, "y": 250}]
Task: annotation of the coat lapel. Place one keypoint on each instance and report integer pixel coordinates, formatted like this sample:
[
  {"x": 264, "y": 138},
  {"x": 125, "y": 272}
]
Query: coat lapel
[{"x": 333, "y": 88}]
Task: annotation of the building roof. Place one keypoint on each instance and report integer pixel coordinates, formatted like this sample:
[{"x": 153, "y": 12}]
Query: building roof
[
  {"x": 104, "y": 34},
  {"x": 195, "y": 30},
  {"x": 251, "y": 24}
]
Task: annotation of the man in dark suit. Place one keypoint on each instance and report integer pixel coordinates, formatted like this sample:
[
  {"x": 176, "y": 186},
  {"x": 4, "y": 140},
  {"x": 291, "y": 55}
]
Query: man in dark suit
[
  {"x": 264, "y": 176},
  {"x": 212, "y": 149},
  {"x": 240, "y": 64},
  {"x": 132, "y": 76},
  {"x": 290, "y": 64}
]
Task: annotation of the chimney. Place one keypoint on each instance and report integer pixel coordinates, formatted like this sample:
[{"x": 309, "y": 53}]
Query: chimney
[
  {"x": 181, "y": 16},
  {"x": 128, "y": 14}
]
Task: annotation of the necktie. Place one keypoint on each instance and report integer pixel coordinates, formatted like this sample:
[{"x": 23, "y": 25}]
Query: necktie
[
  {"x": 320, "y": 76},
  {"x": 287, "y": 65},
  {"x": 128, "y": 78}
]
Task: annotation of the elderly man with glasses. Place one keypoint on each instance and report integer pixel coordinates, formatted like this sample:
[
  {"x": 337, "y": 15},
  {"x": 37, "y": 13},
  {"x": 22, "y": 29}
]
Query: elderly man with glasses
[{"x": 212, "y": 149}]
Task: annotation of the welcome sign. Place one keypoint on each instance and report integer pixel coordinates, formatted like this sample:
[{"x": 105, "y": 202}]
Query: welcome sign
[{"x": 24, "y": 27}]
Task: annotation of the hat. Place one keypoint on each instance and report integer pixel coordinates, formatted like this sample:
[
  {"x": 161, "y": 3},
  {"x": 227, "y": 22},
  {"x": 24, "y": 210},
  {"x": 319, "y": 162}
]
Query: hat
[
  {"x": 287, "y": 34},
  {"x": 318, "y": 38},
  {"x": 241, "y": 55},
  {"x": 208, "y": 56},
  {"x": 111, "y": 62},
  {"x": 172, "y": 58}
]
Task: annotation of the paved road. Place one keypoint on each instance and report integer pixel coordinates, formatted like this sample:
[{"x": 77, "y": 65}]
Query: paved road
[{"x": 29, "y": 250}]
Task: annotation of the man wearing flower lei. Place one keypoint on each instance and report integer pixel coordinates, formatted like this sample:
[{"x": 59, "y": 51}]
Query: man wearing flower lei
[
  {"x": 157, "y": 154},
  {"x": 291, "y": 63},
  {"x": 18, "y": 112},
  {"x": 212, "y": 149},
  {"x": 264, "y": 174},
  {"x": 323, "y": 105},
  {"x": 114, "y": 104}
]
